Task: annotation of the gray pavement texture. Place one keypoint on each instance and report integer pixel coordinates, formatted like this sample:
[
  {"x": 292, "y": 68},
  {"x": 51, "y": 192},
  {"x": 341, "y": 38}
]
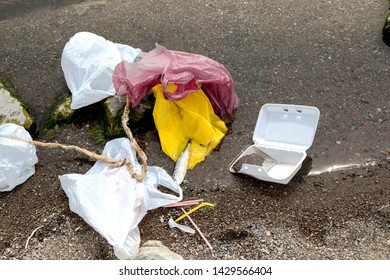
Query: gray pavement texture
[{"x": 327, "y": 54}]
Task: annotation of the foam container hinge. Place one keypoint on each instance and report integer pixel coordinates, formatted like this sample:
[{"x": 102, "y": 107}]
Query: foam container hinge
[{"x": 282, "y": 135}]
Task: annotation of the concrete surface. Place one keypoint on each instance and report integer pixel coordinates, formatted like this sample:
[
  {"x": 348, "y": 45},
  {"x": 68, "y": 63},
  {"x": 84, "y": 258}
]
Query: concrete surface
[
  {"x": 324, "y": 54},
  {"x": 327, "y": 54}
]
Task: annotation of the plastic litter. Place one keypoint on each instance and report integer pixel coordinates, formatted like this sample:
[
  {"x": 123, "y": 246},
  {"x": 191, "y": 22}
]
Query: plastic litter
[
  {"x": 113, "y": 202},
  {"x": 186, "y": 70},
  {"x": 282, "y": 135},
  {"x": 198, "y": 230},
  {"x": 88, "y": 62},
  {"x": 195, "y": 97},
  {"x": 173, "y": 224},
  {"x": 203, "y": 204},
  {"x": 17, "y": 159},
  {"x": 184, "y": 203},
  {"x": 189, "y": 119},
  {"x": 181, "y": 165}
]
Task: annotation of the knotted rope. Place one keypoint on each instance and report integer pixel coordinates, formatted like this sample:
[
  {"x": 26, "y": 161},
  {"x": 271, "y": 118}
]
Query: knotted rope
[{"x": 134, "y": 144}]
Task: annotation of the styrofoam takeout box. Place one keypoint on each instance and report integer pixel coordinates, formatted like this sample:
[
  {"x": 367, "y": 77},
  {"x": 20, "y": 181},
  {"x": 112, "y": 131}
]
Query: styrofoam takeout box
[{"x": 282, "y": 135}]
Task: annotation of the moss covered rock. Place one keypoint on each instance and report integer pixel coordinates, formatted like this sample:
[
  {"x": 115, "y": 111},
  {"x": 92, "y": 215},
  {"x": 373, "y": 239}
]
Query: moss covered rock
[
  {"x": 61, "y": 112},
  {"x": 14, "y": 111},
  {"x": 140, "y": 117},
  {"x": 111, "y": 123},
  {"x": 104, "y": 117}
]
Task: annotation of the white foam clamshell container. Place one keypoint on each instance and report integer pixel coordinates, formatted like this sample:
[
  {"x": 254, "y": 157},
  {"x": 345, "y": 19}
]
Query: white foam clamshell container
[{"x": 282, "y": 135}]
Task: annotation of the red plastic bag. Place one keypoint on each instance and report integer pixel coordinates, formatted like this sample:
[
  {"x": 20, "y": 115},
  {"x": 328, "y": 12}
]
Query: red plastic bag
[{"x": 185, "y": 70}]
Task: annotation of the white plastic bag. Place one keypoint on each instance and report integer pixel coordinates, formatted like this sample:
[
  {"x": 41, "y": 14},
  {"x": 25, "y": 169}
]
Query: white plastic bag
[
  {"x": 88, "y": 62},
  {"x": 17, "y": 159},
  {"x": 113, "y": 202}
]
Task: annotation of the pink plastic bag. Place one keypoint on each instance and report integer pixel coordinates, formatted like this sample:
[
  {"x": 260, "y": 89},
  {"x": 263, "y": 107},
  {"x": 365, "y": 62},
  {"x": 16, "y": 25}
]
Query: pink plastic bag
[{"x": 183, "y": 69}]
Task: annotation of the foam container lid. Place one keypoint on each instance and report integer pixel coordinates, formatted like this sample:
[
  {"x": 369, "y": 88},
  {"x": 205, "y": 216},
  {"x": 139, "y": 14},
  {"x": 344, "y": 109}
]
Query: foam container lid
[{"x": 288, "y": 127}]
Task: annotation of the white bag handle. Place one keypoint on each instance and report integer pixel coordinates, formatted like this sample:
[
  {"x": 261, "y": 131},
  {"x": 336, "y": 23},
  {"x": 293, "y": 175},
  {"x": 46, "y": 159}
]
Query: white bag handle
[{"x": 157, "y": 176}]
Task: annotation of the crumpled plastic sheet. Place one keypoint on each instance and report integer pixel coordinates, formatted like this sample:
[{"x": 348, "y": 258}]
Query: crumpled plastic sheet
[
  {"x": 191, "y": 119},
  {"x": 88, "y": 63},
  {"x": 185, "y": 70},
  {"x": 113, "y": 202},
  {"x": 17, "y": 158}
]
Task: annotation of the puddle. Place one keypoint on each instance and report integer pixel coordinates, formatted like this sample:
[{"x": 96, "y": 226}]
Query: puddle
[
  {"x": 14, "y": 8},
  {"x": 341, "y": 167}
]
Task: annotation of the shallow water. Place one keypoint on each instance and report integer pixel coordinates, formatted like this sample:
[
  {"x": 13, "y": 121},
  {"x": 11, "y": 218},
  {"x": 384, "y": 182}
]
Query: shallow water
[{"x": 340, "y": 167}]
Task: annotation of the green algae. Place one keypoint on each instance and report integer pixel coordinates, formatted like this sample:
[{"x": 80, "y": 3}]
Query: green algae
[{"x": 104, "y": 122}]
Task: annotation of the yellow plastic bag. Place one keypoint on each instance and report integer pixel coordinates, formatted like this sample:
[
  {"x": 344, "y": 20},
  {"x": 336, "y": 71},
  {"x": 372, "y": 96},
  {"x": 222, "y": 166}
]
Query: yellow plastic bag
[{"x": 189, "y": 119}]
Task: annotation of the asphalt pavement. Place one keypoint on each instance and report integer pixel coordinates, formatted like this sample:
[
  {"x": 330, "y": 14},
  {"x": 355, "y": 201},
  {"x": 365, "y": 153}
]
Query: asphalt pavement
[{"x": 327, "y": 54}]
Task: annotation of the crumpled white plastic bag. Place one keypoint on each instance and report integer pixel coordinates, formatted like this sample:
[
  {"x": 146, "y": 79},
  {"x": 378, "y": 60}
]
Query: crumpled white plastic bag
[
  {"x": 17, "y": 159},
  {"x": 88, "y": 62},
  {"x": 113, "y": 202}
]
